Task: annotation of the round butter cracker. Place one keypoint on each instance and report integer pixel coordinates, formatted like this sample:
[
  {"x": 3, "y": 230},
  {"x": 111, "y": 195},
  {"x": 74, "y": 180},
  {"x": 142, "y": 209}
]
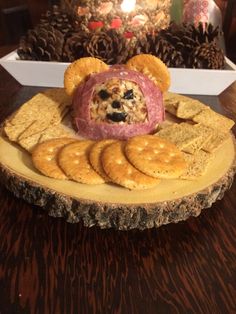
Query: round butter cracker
[
  {"x": 153, "y": 68},
  {"x": 74, "y": 160},
  {"x": 78, "y": 70},
  {"x": 121, "y": 171},
  {"x": 95, "y": 157},
  {"x": 44, "y": 157},
  {"x": 155, "y": 156}
]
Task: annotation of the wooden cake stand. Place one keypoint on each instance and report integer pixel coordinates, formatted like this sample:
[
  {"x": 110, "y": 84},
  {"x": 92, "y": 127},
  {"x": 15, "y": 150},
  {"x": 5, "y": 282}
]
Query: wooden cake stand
[{"x": 108, "y": 205}]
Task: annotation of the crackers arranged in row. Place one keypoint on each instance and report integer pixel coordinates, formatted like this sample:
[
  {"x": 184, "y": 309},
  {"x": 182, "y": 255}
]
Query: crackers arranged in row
[
  {"x": 182, "y": 106},
  {"x": 196, "y": 130},
  {"x": 55, "y": 131},
  {"x": 197, "y": 142},
  {"x": 39, "y": 119},
  {"x": 205, "y": 129},
  {"x": 197, "y": 164},
  {"x": 111, "y": 161}
]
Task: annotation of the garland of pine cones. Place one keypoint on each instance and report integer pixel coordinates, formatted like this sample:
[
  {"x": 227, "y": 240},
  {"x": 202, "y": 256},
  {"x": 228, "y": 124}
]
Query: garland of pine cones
[{"x": 59, "y": 37}]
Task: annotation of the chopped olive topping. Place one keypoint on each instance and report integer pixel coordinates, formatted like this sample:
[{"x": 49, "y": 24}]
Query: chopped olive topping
[
  {"x": 116, "y": 104},
  {"x": 104, "y": 94},
  {"x": 117, "y": 116},
  {"x": 129, "y": 94}
]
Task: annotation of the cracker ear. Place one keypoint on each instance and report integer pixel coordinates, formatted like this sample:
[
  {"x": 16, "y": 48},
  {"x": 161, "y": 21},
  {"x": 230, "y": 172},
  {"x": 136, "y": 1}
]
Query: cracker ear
[
  {"x": 79, "y": 70},
  {"x": 152, "y": 67}
]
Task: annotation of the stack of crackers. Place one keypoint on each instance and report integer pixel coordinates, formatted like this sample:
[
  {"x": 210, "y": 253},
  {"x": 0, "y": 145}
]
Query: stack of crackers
[
  {"x": 198, "y": 132},
  {"x": 43, "y": 117}
]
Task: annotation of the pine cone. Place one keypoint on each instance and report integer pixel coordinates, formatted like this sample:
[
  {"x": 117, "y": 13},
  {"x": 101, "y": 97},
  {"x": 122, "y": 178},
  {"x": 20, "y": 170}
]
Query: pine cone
[
  {"x": 41, "y": 44},
  {"x": 207, "y": 56},
  {"x": 145, "y": 44},
  {"x": 168, "y": 54},
  {"x": 203, "y": 33},
  {"x": 180, "y": 38},
  {"x": 75, "y": 46},
  {"x": 186, "y": 38},
  {"x": 161, "y": 48},
  {"x": 110, "y": 46},
  {"x": 58, "y": 19}
]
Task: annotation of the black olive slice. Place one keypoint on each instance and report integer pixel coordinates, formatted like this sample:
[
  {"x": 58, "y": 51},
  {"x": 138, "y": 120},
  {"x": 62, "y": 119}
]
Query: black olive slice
[
  {"x": 117, "y": 116},
  {"x": 129, "y": 94},
  {"x": 116, "y": 104},
  {"x": 103, "y": 94}
]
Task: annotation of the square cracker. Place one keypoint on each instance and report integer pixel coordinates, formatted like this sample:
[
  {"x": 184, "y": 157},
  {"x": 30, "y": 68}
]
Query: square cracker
[
  {"x": 173, "y": 98},
  {"x": 184, "y": 136},
  {"x": 56, "y": 131},
  {"x": 171, "y": 107},
  {"x": 14, "y": 131},
  {"x": 35, "y": 128},
  {"x": 28, "y": 143},
  {"x": 59, "y": 96},
  {"x": 171, "y": 102},
  {"x": 217, "y": 139},
  {"x": 197, "y": 165},
  {"x": 214, "y": 138},
  {"x": 189, "y": 109},
  {"x": 41, "y": 111},
  {"x": 41, "y": 125},
  {"x": 214, "y": 120},
  {"x": 182, "y": 106}
]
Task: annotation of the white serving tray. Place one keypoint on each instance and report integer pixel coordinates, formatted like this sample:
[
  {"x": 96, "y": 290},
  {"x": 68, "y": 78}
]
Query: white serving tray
[{"x": 185, "y": 81}]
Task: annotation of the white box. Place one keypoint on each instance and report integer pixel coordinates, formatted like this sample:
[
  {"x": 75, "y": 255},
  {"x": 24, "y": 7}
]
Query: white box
[{"x": 185, "y": 81}]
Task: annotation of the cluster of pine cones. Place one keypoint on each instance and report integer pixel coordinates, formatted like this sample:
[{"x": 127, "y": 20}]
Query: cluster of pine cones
[
  {"x": 59, "y": 38},
  {"x": 185, "y": 46}
]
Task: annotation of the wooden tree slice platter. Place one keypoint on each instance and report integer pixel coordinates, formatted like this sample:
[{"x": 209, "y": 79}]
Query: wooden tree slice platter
[{"x": 108, "y": 205}]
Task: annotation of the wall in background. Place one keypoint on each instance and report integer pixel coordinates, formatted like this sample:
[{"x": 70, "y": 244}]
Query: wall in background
[{"x": 16, "y": 16}]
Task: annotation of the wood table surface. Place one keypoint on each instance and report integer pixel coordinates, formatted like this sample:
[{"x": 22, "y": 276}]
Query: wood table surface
[{"x": 50, "y": 266}]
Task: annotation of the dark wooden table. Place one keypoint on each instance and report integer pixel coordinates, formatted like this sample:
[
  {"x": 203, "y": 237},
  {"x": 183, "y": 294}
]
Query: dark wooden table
[{"x": 50, "y": 266}]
